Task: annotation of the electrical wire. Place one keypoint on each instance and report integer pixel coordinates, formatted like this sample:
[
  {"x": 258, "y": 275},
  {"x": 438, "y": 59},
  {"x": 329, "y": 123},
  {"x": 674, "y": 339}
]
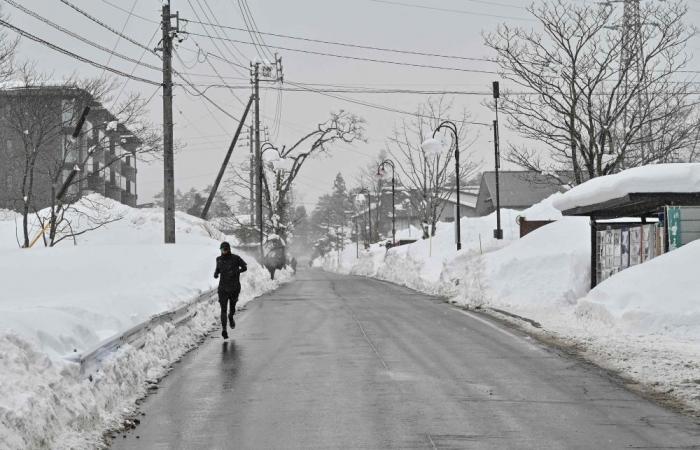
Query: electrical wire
[
  {"x": 124, "y": 10},
  {"x": 138, "y": 44},
  {"x": 346, "y": 44},
  {"x": 358, "y": 58},
  {"x": 243, "y": 55},
  {"x": 136, "y": 66},
  {"x": 211, "y": 38},
  {"x": 375, "y": 106},
  {"x": 216, "y": 72},
  {"x": 74, "y": 55},
  {"x": 260, "y": 39},
  {"x": 116, "y": 44},
  {"x": 79, "y": 37},
  {"x": 458, "y": 11}
]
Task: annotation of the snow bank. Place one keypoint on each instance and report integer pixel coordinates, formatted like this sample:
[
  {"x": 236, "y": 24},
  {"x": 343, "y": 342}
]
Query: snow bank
[
  {"x": 546, "y": 269},
  {"x": 680, "y": 177},
  {"x": 66, "y": 299},
  {"x": 658, "y": 297}
]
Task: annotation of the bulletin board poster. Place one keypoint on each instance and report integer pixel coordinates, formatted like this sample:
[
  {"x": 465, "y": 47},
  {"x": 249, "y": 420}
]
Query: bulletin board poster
[{"x": 673, "y": 213}]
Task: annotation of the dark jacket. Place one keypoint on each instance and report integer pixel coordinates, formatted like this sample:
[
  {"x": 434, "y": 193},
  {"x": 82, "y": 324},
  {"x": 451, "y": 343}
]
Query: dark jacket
[{"x": 230, "y": 267}]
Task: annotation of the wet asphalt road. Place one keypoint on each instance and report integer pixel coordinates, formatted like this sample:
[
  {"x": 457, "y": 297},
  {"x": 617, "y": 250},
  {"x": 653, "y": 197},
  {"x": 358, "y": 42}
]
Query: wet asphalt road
[{"x": 332, "y": 361}]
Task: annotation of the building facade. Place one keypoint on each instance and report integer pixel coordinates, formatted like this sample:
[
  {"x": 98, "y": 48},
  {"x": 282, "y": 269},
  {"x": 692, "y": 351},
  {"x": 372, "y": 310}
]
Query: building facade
[{"x": 39, "y": 152}]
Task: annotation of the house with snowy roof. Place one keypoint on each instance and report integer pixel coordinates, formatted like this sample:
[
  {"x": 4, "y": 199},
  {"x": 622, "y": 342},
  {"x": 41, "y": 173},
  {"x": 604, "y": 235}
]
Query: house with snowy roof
[{"x": 518, "y": 189}]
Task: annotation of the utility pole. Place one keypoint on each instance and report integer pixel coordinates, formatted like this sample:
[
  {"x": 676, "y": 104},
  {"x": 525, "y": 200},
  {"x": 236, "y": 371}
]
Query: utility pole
[
  {"x": 252, "y": 175},
  {"x": 168, "y": 156},
  {"x": 267, "y": 76},
  {"x": 498, "y": 232},
  {"x": 224, "y": 165},
  {"x": 258, "y": 158}
]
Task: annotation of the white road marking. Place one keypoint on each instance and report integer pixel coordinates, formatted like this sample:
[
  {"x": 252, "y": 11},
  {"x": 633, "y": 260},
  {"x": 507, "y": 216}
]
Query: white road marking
[{"x": 499, "y": 329}]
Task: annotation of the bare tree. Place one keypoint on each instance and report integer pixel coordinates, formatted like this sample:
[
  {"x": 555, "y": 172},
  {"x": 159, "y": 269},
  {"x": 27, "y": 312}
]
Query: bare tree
[
  {"x": 431, "y": 178},
  {"x": 8, "y": 48},
  {"x": 38, "y": 121},
  {"x": 596, "y": 95},
  {"x": 286, "y": 163}
]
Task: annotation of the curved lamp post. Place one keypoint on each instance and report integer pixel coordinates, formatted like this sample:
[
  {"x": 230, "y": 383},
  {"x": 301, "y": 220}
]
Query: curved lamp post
[
  {"x": 435, "y": 147},
  {"x": 265, "y": 146},
  {"x": 381, "y": 173},
  {"x": 360, "y": 199}
]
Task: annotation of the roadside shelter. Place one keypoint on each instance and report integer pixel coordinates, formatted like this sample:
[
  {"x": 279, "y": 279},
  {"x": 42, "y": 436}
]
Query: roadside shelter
[{"x": 637, "y": 214}]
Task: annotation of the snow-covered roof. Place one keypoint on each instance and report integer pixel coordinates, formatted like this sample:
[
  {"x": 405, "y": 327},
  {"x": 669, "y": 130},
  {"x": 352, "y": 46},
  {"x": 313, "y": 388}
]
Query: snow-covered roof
[
  {"x": 465, "y": 199},
  {"x": 679, "y": 178},
  {"x": 521, "y": 188}
]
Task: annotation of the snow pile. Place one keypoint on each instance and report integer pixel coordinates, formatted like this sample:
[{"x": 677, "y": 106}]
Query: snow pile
[
  {"x": 657, "y": 297},
  {"x": 425, "y": 264},
  {"x": 58, "y": 301},
  {"x": 548, "y": 268},
  {"x": 679, "y": 177}
]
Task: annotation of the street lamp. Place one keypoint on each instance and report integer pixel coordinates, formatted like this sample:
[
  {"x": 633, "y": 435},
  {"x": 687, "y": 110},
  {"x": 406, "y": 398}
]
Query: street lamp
[
  {"x": 435, "y": 147},
  {"x": 360, "y": 199},
  {"x": 381, "y": 173},
  {"x": 265, "y": 146}
]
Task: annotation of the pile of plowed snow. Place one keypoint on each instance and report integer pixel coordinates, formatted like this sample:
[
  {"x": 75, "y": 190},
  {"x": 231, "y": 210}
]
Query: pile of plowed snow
[{"x": 55, "y": 302}]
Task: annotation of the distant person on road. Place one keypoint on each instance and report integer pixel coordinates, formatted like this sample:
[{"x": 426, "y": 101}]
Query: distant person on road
[
  {"x": 294, "y": 265},
  {"x": 229, "y": 267}
]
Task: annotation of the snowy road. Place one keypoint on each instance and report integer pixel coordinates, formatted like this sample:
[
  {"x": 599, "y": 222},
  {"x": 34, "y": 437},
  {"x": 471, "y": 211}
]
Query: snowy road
[{"x": 331, "y": 361}]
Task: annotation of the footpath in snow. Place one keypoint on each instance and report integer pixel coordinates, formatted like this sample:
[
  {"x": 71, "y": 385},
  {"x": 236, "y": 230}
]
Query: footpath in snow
[
  {"x": 61, "y": 301},
  {"x": 643, "y": 323}
]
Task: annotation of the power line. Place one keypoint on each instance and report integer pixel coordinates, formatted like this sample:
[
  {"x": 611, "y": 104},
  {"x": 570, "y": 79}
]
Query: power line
[
  {"x": 217, "y": 48},
  {"x": 133, "y": 14},
  {"x": 358, "y": 58},
  {"x": 136, "y": 66},
  {"x": 458, "y": 11},
  {"x": 375, "y": 106},
  {"x": 74, "y": 55},
  {"x": 346, "y": 44},
  {"x": 138, "y": 44},
  {"x": 79, "y": 37},
  {"x": 259, "y": 48},
  {"x": 354, "y": 90},
  {"x": 211, "y": 38},
  {"x": 116, "y": 44}
]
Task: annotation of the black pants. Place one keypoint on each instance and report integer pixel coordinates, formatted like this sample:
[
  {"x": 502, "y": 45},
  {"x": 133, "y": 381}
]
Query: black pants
[{"x": 228, "y": 297}]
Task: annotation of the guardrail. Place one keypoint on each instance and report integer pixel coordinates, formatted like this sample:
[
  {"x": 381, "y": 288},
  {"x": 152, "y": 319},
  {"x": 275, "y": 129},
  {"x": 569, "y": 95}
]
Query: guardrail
[{"x": 91, "y": 360}]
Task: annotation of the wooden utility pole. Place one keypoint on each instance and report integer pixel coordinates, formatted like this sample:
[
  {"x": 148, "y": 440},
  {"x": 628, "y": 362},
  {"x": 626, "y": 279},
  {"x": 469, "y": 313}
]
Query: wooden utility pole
[
  {"x": 252, "y": 175},
  {"x": 168, "y": 156},
  {"x": 258, "y": 158},
  {"x": 224, "y": 165}
]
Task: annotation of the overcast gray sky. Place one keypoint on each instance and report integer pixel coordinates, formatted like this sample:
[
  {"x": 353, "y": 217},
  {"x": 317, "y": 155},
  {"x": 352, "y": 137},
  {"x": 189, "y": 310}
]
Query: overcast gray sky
[{"x": 207, "y": 131}]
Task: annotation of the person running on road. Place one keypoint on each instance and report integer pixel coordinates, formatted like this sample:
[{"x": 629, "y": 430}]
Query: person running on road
[{"x": 230, "y": 267}]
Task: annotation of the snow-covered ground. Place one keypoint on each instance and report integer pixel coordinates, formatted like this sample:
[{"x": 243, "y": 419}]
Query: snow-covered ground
[
  {"x": 58, "y": 301},
  {"x": 643, "y": 323}
]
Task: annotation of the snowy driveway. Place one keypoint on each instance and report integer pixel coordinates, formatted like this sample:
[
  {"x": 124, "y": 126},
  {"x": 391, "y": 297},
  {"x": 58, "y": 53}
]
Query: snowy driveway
[{"x": 333, "y": 361}]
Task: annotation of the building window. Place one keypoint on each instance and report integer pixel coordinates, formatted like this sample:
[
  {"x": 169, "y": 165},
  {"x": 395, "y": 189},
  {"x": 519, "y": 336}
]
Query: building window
[
  {"x": 67, "y": 112},
  {"x": 70, "y": 150}
]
